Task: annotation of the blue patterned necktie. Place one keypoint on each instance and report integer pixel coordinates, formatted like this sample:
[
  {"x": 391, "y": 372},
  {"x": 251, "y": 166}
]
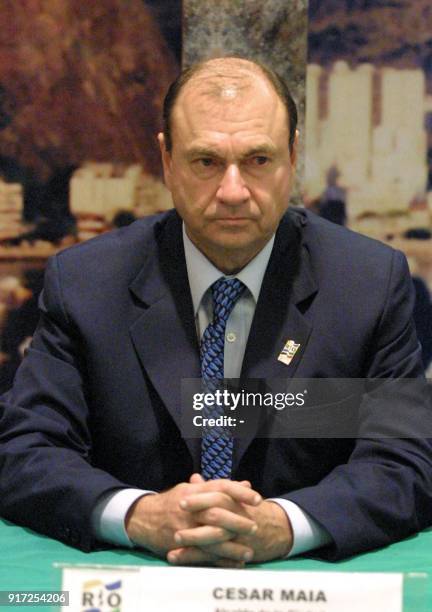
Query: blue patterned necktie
[{"x": 217, "y": 442}]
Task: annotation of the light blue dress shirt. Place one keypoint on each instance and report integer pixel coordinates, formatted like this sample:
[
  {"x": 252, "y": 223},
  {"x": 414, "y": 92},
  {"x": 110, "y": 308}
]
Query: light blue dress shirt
[{"x": 109, "y": 514}]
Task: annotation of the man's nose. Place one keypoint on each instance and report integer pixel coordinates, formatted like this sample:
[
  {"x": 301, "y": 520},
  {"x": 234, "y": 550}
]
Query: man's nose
[{"x": 232, "y": 188}]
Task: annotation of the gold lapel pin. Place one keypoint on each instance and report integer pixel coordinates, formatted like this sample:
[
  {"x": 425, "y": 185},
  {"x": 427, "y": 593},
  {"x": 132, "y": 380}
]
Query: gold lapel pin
[{"x": 287, "y": 353}]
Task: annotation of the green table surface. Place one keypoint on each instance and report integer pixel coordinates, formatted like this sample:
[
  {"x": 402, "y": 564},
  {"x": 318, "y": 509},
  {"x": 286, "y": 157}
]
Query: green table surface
[{"x": 27, "y": 558}]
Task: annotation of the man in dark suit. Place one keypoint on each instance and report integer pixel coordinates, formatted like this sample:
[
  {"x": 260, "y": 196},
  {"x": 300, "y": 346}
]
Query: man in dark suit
[{"x": 91, "y": 447}]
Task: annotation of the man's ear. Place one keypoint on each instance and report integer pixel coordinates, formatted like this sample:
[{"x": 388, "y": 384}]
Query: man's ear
[
  {"x": 294, "y": 149},
  {"x": 166, "y": 159}
]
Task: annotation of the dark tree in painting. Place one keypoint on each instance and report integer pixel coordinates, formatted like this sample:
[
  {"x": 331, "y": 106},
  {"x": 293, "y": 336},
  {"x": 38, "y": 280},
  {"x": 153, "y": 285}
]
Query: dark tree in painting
[{"x": 80, "y": 81}]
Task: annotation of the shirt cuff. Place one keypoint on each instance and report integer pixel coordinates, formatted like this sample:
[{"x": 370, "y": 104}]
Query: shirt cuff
[
  {"x": 308, "y": 534},
  {"x": 109, "y": 515}
]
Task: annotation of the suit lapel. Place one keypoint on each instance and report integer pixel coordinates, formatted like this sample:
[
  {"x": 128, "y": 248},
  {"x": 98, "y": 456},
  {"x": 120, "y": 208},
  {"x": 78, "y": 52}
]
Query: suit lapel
[
  {"x": 164, "y": 336},
  {"x": 287, "y": 291}
]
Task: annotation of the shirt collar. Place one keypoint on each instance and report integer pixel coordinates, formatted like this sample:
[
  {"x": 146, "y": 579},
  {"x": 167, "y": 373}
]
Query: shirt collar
[{"x": 202, "y": 273}]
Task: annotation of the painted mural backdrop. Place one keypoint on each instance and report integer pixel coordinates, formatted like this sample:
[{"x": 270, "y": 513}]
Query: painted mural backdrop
[
  {"x": 81, "y": 88},
  {"x": 369, "y": 128}
]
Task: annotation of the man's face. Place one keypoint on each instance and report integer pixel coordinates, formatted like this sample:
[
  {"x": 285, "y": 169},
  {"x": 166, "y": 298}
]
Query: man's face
[{"x": 230, "y": 169}]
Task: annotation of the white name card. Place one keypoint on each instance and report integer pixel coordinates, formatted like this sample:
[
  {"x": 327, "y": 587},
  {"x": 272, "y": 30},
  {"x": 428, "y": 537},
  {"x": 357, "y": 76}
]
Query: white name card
[{"x": 131, "y": 588}]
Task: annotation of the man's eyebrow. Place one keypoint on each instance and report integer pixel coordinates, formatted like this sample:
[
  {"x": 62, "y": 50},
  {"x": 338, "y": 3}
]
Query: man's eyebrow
[
  {"x": 262, "y": 149},
  {"x": 202, "y": 152}
]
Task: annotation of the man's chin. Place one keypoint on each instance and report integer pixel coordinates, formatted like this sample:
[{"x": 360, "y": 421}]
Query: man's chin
[
  {"x": 236, "y": 241},
  {"x": 238, "y": 232},
  {"x": 236, "y": 246}
]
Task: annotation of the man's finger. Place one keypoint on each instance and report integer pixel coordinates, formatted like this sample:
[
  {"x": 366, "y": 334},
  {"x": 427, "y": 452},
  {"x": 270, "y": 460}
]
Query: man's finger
[
  {"x": 231, "y": 517},
  {"x": 196, "y": 556},
  {"x": 195, "y": 502},
  {"x": 231, "y": 550},
  {"x": 201, "y": 536},
  {"x": 190, "y": 556},
  {"x": 237, "y": 491},
  {"x": 196, "y": 478},
  {"x": 231, "y": 520}
]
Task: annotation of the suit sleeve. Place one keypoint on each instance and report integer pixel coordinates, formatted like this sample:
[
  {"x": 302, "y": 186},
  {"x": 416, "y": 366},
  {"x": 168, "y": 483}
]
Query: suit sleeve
[
  {"x": 384, "y": 492},
  {"x": 47, "y": 479}
]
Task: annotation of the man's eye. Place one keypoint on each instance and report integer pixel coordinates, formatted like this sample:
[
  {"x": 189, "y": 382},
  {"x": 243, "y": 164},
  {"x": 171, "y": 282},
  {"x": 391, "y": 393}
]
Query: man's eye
[
  {"x": 206, "y": 162},
  {"x": 260, "y": 160}
]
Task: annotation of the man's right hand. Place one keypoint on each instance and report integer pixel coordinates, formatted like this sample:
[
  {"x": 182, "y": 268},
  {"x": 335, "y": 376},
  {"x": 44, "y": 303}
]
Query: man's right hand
[{"x": 153, "y": 520}]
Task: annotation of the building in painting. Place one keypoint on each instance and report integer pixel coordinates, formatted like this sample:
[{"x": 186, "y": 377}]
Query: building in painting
[
  {"x": 11, "y": 208},
  {"x": 369, "y": 124},
  {"x": 99, "y": 192}
]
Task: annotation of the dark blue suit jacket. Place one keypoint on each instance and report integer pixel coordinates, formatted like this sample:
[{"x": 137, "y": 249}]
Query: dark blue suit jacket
[{"x": 96, "y": 402}]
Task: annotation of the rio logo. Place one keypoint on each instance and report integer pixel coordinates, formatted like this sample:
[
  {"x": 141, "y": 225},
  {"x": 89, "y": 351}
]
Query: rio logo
[{"x": 100, "y": 597}]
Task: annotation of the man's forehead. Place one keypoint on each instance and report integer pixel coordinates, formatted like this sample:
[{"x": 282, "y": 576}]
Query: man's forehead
[
  {"x": 229, "y": 91},
  {"x": 227, "y": 95},
  {"x": 228, "y": 68},
  {"x": 209, "y": 96},
  {"x": 225, "y": 84}
]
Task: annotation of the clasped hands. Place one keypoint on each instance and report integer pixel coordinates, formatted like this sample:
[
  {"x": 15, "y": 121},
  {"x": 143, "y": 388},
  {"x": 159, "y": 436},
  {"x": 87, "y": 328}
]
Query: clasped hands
[{"x": 223, "y": 523}]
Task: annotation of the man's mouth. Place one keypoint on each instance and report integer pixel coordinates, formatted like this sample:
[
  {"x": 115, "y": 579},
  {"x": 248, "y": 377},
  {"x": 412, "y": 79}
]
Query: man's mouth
[{"x": 233, "y": 219}]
